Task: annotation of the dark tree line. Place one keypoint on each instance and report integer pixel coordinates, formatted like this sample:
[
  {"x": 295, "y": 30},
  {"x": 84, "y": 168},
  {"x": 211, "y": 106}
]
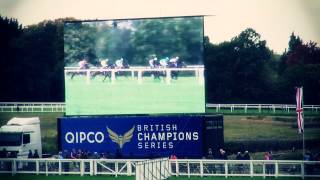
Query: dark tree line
[
  {"x": 31, "y": 61},
  {"x": 242, "y": 70},
  {"x": 245, "y": 70}
]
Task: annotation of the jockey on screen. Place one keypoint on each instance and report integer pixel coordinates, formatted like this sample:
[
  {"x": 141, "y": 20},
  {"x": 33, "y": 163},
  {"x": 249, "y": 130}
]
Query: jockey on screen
[
  {"x": 104, "y": 63},
  {"x": 164, "y": 62},
  {"x": 83, "y": 64},
  {"x": 119, "y": 63}
]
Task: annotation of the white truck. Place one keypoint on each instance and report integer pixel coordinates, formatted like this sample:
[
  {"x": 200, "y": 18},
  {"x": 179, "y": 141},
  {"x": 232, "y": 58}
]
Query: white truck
[{"x": 20, "y": 135}]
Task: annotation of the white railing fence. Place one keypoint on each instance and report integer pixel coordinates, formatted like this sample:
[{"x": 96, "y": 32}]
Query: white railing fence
[
  {"x": 180, "y": 167},
  {"x": 32, "y": 107},
  {"x": 249, "y": 168},
  {"x": 81, "y": 167},
  {"x": 157, "y": 169},
  {"x": 137, "y": 72},
  {"x": 219, "y": 108},
  {"x": 273, "y": 108}
]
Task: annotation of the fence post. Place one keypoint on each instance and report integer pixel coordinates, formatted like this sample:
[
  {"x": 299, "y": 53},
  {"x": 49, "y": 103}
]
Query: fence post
[
  {"x": 116, "y": 168},
  {"x": 251, "y": 169},
  {"x": 276, "y": 169},
  {"x": 274, "y": 108},
  {"x": 129, "y": 168},
  {"x": 37, "y": 167},
  {"x": 91, "y": 167},
  {"x": 259, "y": 108},
  {"x": 88, "y": 76},
  {"x": 81, "y": 167},
  {"x": 14, "y": 167},
  {"x": 168, "y": 76},
  {"x": 201, "y": 168},
  {"x": 95, "y": 167},
  {"x": 139, "y": 77},
  {"x": 113, "y": 76},
  {"x": 46, "y": 168},
  {"x": 188, "y": 168},
  {"x": 226, "y": 169},
  {"x": 264, "y": 170},
  {"x": 201, "y": 76},
  {"x": 59, "y": 166},
  {"x": 177, "y": 168},
  {"x": 302, "y": 170}
]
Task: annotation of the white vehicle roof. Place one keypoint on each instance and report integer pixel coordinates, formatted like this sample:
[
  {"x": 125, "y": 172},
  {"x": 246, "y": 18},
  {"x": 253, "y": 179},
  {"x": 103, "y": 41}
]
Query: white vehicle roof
[{"x": 24, "y": 121}]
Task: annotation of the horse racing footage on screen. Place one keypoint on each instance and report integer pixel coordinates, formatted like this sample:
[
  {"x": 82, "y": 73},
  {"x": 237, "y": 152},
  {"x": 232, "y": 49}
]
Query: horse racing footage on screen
[{"x": 134, "y": 66}]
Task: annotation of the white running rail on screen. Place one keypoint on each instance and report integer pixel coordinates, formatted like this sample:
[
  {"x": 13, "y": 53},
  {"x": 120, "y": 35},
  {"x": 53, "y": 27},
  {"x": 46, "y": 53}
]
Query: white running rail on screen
[
  {"x": 219, "y": 108},
  {"x": 137, "y": 72},
  {"x": 180, "y": 167}
]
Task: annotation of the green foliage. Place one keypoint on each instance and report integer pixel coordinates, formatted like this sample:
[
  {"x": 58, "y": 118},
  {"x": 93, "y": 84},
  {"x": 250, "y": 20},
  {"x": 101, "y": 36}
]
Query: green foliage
[
  {"x": 10, "y": 31},
  {"x": 294, "y": 42},
  {"x": 170, "y": 37},
  {"x": 236, "y": 69},
  {"x": 34, "y": 65},
  {"x": 134, "y": 40},
  {"x": 79, "y": 42},
  {"x": 300, "y": 66}
]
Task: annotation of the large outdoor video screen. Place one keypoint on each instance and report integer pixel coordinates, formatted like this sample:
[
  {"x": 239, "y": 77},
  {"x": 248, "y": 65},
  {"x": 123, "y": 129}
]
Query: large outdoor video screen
[{"x": 134, "y": 66}]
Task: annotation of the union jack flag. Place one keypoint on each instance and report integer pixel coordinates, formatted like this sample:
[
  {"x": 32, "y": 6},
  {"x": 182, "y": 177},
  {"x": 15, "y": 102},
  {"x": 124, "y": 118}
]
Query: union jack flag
[{"x": 299, "y": 109}]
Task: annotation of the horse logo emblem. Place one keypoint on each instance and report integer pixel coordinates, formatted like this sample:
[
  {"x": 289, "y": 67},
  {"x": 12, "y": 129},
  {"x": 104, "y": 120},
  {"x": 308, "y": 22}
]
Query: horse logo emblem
[{"x": 120, "y": 139}]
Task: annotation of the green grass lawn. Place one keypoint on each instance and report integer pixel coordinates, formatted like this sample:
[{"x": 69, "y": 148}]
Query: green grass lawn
[
  {"x": 127, "y": 96},
  {"x": 237, "y": 128},
  {"x": 77, "y": 177}
]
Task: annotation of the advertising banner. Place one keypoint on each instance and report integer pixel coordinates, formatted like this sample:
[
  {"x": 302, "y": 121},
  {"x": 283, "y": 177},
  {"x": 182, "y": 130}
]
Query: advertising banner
[{"x": 134, "y": 136}]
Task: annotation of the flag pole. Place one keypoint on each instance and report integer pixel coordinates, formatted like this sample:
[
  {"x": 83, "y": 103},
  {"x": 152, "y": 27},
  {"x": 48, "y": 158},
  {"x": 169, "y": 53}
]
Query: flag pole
[{"x": 303, "y": 143}]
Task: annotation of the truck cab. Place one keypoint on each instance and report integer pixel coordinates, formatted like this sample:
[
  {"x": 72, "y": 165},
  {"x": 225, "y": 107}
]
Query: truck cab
[{"x": 20, "y": 135}]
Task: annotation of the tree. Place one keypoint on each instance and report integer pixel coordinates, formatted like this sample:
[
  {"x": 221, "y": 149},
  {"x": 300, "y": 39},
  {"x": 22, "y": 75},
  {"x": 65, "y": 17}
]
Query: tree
[
  {"x": 79, "y": 43},
  {"x": 35, "y": 71},
  {"x": 167, "y": 38},
  {"x": 294, "y": 42},
  {"x": 301, "y": 67},
  {"x": 10, "y": 31},
  {"x": 235, "y": 69}
]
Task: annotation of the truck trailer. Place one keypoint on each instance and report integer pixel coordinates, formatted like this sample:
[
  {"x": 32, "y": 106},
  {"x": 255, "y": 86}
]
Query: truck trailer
[{"x": 20, "y": 135}]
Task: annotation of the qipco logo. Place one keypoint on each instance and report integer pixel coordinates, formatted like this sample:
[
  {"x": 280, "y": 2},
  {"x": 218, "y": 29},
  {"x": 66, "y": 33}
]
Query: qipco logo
[{"x": 82, "y": 137}]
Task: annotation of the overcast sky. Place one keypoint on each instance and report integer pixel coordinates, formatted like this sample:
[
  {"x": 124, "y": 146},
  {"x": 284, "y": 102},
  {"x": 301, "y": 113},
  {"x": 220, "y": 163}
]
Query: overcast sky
[{"x": 273, "y": 19}]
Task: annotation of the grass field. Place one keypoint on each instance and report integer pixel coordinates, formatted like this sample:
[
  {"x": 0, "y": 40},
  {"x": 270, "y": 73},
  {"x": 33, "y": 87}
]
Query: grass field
[
  {"x": 77, "y": 177},
  {"x": 237, "y": 128},
  {"x": 127, "y": 96}
]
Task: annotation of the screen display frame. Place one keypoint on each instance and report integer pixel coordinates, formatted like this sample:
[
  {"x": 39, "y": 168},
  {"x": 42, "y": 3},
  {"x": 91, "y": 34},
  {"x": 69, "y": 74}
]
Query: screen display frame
[{"x": 152, "y": 113}]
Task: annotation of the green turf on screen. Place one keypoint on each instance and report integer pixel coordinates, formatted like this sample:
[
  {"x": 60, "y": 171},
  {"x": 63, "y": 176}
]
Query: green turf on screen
[{"x": 127, "y": 96}]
